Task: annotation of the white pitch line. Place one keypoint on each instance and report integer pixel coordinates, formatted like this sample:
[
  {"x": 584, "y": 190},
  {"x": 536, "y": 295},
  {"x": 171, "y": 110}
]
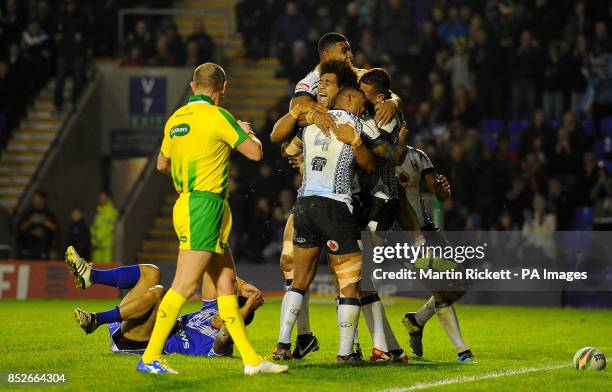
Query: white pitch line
[{"x": 458, "y": 380}]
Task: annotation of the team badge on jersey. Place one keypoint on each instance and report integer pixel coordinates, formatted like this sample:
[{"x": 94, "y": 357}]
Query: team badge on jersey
[
  {"x": 404, "y": 177},
  {"x": 333, "y": 245}
]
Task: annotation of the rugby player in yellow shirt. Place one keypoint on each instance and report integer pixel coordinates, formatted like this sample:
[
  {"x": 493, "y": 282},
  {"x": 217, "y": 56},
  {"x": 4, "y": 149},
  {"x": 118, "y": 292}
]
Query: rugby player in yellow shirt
[{"x": 195, "y": 152}]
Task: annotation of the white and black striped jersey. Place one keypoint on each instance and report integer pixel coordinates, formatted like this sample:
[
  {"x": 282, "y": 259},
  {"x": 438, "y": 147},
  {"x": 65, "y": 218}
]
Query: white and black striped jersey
[
  {"x": 416, "y": 165},
  {"x": 381, "y": 183},
  {"x": 329, "y": 164},
  {"x": 310, "y": 84}
]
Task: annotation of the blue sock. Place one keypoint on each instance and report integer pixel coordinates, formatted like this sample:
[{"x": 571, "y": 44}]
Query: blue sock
[
  {"x": 124, "y": 277},
  {"x": 110, "y": 316}
]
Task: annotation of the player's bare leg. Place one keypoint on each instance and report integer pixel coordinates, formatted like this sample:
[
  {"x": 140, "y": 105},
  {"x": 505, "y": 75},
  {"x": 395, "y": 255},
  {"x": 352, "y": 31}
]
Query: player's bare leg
[
  {"x": 136, "y": 309},
  {"x": 190, "y": 268},
  {"x": 305, "y": 342},
  {"x": 223, "y": 274},
  {"x": 305, "y": 268},
  {"x": 347, "y": 269}
]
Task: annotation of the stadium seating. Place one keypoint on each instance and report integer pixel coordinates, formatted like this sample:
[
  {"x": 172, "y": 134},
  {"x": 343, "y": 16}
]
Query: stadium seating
[
  {"x": 518, "y": 126},
  {"x": 606, "y": 126},
  {"x": 602, "y": 147},
  {"x": 583, "y": 218},
  {"x": 491, "y": 125},
  {"x": 488, "y": 140}
]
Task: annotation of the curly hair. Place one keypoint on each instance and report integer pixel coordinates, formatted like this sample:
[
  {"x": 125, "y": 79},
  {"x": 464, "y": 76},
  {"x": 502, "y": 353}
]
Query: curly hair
[{"x": 345, "y": 75}]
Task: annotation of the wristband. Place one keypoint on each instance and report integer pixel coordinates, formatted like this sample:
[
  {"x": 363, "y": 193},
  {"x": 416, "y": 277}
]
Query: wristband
[
  {"x": 354, "y": 145},
  {"x": 295, "y": 112},
  {"x": 310, "y": 117}
]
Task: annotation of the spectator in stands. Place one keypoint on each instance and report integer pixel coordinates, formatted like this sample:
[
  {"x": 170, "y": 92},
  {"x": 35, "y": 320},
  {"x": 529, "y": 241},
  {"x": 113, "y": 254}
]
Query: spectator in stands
[
  {"x": 134, "y": 57},
  {"x": 536, "y": 130},
  {"x": 559, "y": 203},
  {"x": 72, "y": 44},
  {"x": 601, "y": 194},
  {"x": 525, "y": 63},
  {"x": 143, "y": 39},
  {"x": 37, "y": 229},
  {"x": 552, "y": 98},
  {"x": 163, "y": 56},
  {"x": 205, "y": 44},
  {"x": 78, "y": 234},
  {"x": 103, "y": 229},
  {"x": 457, "y": 66},
  {"x": 300, "y": 62},
  {"x": 392, "y": 22},
  {"x": 5, "y": 234},
  {"x": 37, "y": 54},
  {"x": 452, "y": 27},
  {"x": 538, "y": 230},
  {"x": 287, "y": 29}
]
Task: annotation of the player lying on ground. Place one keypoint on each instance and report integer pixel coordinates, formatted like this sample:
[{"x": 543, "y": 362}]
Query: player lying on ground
[
  {"x": 415, "y": 168},
  {"x": 130, "y": 324}
]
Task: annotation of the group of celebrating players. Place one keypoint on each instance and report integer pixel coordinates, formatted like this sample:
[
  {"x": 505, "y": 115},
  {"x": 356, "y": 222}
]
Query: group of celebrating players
[{"x": 345, "y": 133}]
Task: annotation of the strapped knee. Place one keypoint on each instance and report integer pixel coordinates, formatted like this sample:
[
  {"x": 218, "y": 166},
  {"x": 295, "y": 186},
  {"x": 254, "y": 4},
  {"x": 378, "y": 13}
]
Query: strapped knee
[{"x": 348, "y": 272}]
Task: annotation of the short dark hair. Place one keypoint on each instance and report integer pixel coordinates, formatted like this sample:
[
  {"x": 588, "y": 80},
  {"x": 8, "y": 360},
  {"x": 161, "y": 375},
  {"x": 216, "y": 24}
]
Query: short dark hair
[
  {"x": 379, "y": 79},
  {"x": 329, "y": 39},
  {"x": 41, "y": 193},
  {"x": 352, "y": 89},
  {"x": 345, "y": 74}
]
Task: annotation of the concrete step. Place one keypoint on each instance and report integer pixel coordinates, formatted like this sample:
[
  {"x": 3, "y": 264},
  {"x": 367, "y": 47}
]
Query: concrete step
[
  {"x": 14, "y": 179},
  {"x": 47, "y": 123},
  {"x": 28, "y": 146},
  {"x": 17, "y": 167},
  {"x": 162, "y": 233},
  {"x": 230, "y": 4},
  {"x": 9, "y": 202},
  {"x": 160, "y": 245},
  {"x": 14, "y": 190},
  {"x": 46, "y": 135},
  {"x": 17, "y": 156},
  {"x": 163, "y": 222},
  {"x": 248, "y": 82},
  {"x": 244, "y": 100},
  {"x": 157, "y": 256},
  {"x": 170, "y": 199}
]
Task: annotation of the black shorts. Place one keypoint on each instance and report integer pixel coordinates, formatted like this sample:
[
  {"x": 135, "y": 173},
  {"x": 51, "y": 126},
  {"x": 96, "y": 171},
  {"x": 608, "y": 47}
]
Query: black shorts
[
  {"x": 378, "y": 214},
  {"x": 320, "y": 221}
]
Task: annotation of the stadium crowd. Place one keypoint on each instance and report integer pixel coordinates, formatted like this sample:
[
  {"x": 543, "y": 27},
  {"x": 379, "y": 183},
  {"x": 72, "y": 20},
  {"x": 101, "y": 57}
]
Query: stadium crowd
[{"x": 509, "y": 98}]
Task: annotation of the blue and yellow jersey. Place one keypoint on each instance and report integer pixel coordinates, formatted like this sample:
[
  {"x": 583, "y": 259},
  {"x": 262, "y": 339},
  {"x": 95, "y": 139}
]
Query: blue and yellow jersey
[{"x": 198, "y": 139}]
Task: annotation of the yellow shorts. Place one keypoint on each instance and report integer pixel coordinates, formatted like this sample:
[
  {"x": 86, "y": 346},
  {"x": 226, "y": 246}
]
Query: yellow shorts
[{"x": 202, "y": 221}]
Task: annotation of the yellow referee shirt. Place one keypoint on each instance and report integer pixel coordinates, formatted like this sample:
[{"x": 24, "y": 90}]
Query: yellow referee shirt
[{"x": 198, "y": 138}]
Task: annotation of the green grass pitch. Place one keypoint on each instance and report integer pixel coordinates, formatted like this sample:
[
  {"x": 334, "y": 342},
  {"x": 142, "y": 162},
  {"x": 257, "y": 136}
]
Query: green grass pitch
[{"x": 42, "y": 336}]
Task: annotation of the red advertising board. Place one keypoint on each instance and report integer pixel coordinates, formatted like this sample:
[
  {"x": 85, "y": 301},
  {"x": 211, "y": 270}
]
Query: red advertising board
[{"x": 46, "y": 279}]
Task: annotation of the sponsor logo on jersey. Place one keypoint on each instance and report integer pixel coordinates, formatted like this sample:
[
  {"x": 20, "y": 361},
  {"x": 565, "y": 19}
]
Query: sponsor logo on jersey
[
  {"x": 179, "y": 130},
  {"x": 223, "y": 245},
  {"x": 318, "y": 163},
  {"x": 333, "y": 245},
  {"x": 183, "y": 335},
  {"x": 302, "y": 86},
  {"x": 201, "y": 322},
  {"x": 183, "y": 238}
]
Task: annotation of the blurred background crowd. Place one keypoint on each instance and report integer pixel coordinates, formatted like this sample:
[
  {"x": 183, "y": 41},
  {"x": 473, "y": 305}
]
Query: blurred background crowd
[{"x": 510, "y": 99}]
